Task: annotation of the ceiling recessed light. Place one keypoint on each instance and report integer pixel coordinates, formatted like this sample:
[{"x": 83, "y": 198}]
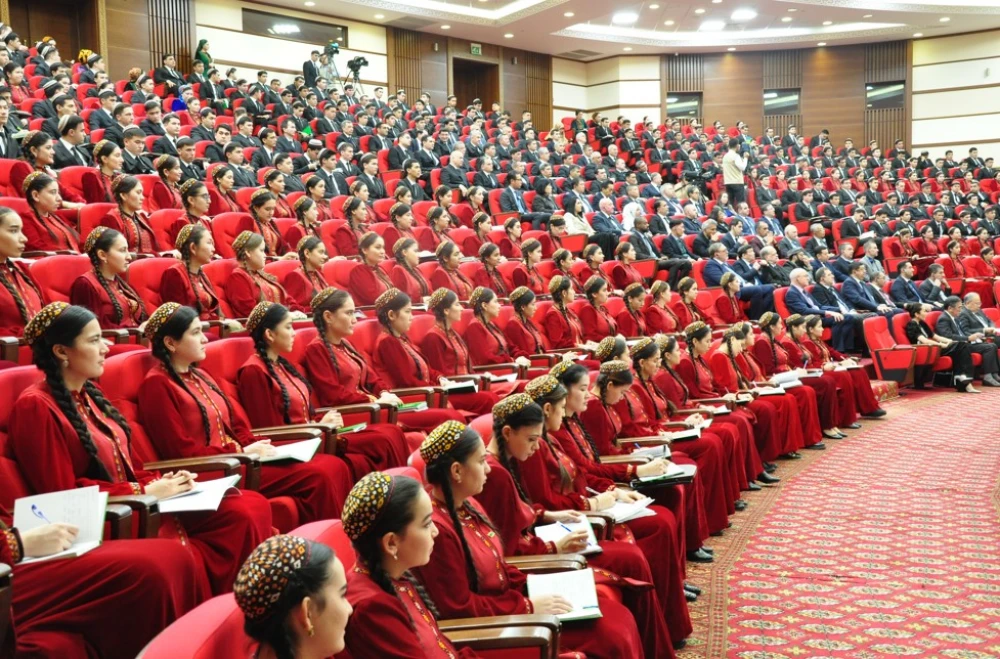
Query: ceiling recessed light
[
  {"x": 508, "y": 36},
  {"x": 310, "y": 4},
  {"x": 867, "y": 16},
  {"x": 668, "y": 22},
  {"x": 445, "y": 27},
  {"x": 821, "y": 43},
  {"x": 716, "y": 2},
  {"x": 568, "y": 14},
  {"x": 712, "y": 26},
  {"x": 827, "y": 22},
  {"x": 918, "y": 34},
  {"x": 730, "y": 49},
  {"x": 627, "y": 48},
  {"x": 786, "y": 19},
  {"x": 380, "y": 16},
  {"x": 699, "y": 11},
  {"x": 792, "y": 9},
  {"x": 744, "y": 15},
  {"x": 654, "y": 6},
  {"x": 944, "y": 19},
  {"x": 624, "y": 18}
]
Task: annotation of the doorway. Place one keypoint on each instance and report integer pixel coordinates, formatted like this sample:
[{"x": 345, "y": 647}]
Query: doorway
[
  {"x": 72, "y": 23},
  {"x": 475, "y": 79}
]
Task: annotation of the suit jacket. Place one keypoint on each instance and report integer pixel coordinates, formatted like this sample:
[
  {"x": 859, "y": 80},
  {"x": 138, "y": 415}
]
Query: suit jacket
[
  {"x": 397, "y": 156},
  {"x": 202, "y": 134},
  {"x": 165, "y": 75},
  {"x": 828, "y": 298},
  {"x": 100, "y": 119},
  {"x": 415, "y": 188},
  {"x": 858, "y": 296},
  {"x": 701, "y": 245},
  {"x": 310, "y": 71},
  {"x": 11, "y": 147},
  {"x": 164, "y": 146},
  {"x": 813, "y": 245},
  {"x": 191, "y": 171},
  {"x": 786, "y": 247},
  {"x": 486, "y": 181},
  {"x": 748, "y": 272},
  {"x": 508, "y": 203},
  {"x": 903, "y": 291},
  {"x": 329, "y": 178},
  {"x": 934, "y": 294},
  {"x": 242, "y": 178},
  {"x": 841, "y": 268},
  {"x": 948, "y": 326},
  {"x": 65, "y": 158},
  {"x": 644, "y": 246},
  {"x": 774, "y": 275},
  {"x": 376, "y": 189},
  {"x": 676, "y": 248},
  {"x": 262, "y": 158},
  {"x": 453, "y": 177},
  {"x": 150, "y": 128},
  {"x": 604, "y": 224},
  {"x": 971, "y": 323},
  {"x": 136, "y": 164},
  {"x": 247, "y": 141},
  {"x": 797, "y": 302},
  {"x": 286, "y": 145},
  {"x": 713, "y": 272}
]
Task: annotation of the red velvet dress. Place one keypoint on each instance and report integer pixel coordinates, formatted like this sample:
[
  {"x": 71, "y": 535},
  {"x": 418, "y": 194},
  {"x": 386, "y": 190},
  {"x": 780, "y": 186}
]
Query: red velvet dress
[
  {"x": 368, "y": 282},
  {"x": 245, "y": 290},
  {"x": 341, "y": 375},
  {"x": 138, "y": 234},
  {"x": 282, "y": 208},
  {"x": 473, "y": 243},
  {"x": 274, "y": 243},
  {"x": 448, "y": 354},
  {"x": 773, "y": 357},
  {"x": 52, "y": 458},
  {"x": 622, "y": 557},
  {"x": 521, "y": 276},
  {"x": 453, "y": 280},
  {"x": 394, "y": 356},
  {"x": 562, "y": 328},
  {"x": 17, "y": 176},
  {"x": 165, "y": 196},
  {"x": 631, "y": 323},
  {"x": 686, "y": 314},
  {"x": 525, "y": 339},
  {"x": 855, "y": 379},
  {"x": 73, "y": 609},
  {"x": 589, "y": 272},
  {"x": 662, "y": 320},
  {"x": 502, "y": 589},
  {"x": 805, "y": 398},
  {"x": 88, "y": 292},
  {"x": 492, "y": 279},
  {"x": 846, "y": 403},
  {"x": 299, "y": 230},
  {"x": 97, "y": 188},
  {"x": 302, "y": 287},
  {"x": 622, "y": 275},
  {"x": 12, "y": 321},
  {"x": 194, "y": 291},
  {"x": 48, "y": 233},
  {"x": 429, "y": 240},
  {"x": 223, "y": 203},
  {"x": 384, "y": 625},
  {"x": 597, "y": 323},
  {"x": 730, "y": 310},
  {"x": 392, "y": 234},
  {"x": 377, "y": 447},
  {"x": 411, "y": 283},
  {"x": 981, "y": 286},
  {"x": 346, "y": 237},
  {"x": 509, "y": 249},
  {"x": 172, "y": 419}
]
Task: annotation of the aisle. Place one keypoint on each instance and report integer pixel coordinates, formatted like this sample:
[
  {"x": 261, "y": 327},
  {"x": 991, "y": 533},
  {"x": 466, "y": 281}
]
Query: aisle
[{"x": 885, "y": 545}]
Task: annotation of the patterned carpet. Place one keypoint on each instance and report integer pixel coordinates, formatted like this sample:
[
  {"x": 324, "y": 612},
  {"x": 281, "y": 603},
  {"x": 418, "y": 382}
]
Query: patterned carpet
[{"x": 887, "y": 544}]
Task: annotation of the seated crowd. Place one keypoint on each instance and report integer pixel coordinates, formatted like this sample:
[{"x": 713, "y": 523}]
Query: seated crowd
[{"x": 197, "y": 269}]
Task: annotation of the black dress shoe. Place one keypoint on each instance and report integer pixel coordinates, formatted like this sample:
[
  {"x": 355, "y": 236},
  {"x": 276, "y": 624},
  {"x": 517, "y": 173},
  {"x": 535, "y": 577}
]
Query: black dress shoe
[
  {"x": 768, "y": 479},
  {"x": 698, "y": 556},
  {"x": 694, "y": 589},
  {"x": 770, "y": 467},
  {"x": 707, "y": 550},
  {"x": 680, "y": 645},
  {"x": 875, "y": 415},
  {"x": 740, "y": 505},
  {"x": 829, "y": 434},
  {"x": 716, "y": 534},
  {"x": 690, "y": 597},
  {"x": 791, "y": 455},
  {"x": 819, "y": 446},
  {"x": 854, "y": 426},
  {"x": 753, "y": 487}
]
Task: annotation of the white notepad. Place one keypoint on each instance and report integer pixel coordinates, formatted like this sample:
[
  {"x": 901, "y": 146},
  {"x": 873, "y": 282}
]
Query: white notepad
[
  {"x": 623, "y": 511},
  {"x": 771, "y": 391},
  {"x": 507, "y": 377},
  {"x": 652, "y": 452},
  {"x": 577, "y": 586},
  {"x": 203, "y": 496},
  {"x": 673, "y": 471},
  {"x": 84, "y": 508},
  {"x": 301, "y": 451},
  {"x": 556, "y": 532}
]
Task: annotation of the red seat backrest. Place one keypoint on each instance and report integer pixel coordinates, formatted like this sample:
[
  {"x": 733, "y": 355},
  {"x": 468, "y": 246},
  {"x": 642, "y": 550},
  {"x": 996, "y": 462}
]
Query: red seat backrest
[
  {"x": 877, "y": 333},
  {"x": 91, "y": 216},
  {"x": 123, "y": 375},
  {"x": 223, "y": 360},
  {"x": 338, "y": 273},
  {"x": 779, "y": 302},
  {"x": 218, "y": 272},
  {"x": 160, "y": 222},
  {"x": 145, "y": 275},
  {"x": 55, "y": 274},
  {"x": 365, "y": 334},
  {"x": 214, "y": 630},
  {"x": 225, "y": 228}
]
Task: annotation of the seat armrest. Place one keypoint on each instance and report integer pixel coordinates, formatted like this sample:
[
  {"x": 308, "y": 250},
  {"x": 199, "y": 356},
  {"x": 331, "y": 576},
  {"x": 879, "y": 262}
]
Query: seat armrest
[
  {"x": 508, "y": 367},
  {"x": 603, "y": 524},
  {"x": 334, "y": 443},
  {"x": 116, "y": 335},
  {"x": 372, "y": 409},
  {"x": 546, "y": 359},
  {"x": 553, "y": 563},
  {"x": 227, "y": 464},
  {"x": 426, "y": 392},
  {"x": 148, "y": 512},
  {"x": 119, "y": 519},
  {"x": 500, "y": 622},
  {"x": 624, "y": 460},
  {"x": 9, "y": 347}
]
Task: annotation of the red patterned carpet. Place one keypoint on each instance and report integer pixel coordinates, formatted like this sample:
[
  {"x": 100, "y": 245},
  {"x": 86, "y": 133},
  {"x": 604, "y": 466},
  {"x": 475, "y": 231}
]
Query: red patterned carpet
[{"x": 885, "y": 545}]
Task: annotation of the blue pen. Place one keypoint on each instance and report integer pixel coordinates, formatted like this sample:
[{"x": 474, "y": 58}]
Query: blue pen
[
  {"x": 566, "y": 527},
  {"x": 37, "y": 512}
]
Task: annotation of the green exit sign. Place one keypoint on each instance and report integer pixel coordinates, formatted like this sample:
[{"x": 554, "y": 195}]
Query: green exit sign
[{"x": 476, "y": 49}]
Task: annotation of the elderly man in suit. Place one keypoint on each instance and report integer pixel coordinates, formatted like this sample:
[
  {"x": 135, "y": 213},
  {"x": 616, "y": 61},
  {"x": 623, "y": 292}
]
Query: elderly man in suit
[
  {"x": 972, "y": 319},
  {"x": 761, "y": 298},
  {"x": 770, "y": 271},
  {"x": 870, "y": 260},
  {"x": 840, "y": 321},
  {"x": 859, "y": 294},
  {"x": 948, "y": 326}
]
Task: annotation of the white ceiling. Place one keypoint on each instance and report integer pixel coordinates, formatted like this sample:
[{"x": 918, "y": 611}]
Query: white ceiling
[{"x": 542, "y": 25}]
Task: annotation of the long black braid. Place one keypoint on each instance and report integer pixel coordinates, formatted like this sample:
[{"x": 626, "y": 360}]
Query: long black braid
[
  {"x": 575, "y": 419},
  {"x": 512, "y": 467},
  {"x": 741, "y": 381},
  {"x": 22, "y": 308},
  {"x": 437, "y": 473},
  {"x": 260, "y": 345},
  {"x": 694, "y": 362}
]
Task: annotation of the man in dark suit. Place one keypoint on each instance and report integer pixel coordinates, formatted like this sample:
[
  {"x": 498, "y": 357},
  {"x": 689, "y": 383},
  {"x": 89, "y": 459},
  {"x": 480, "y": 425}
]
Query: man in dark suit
[
  {"x": 205, "y": 130},
  {"x": 770, "y": 271},
  {"x": 68, "y": 150},
  {"x": 708, "y": 235},
  {"x": 748, "y": 266},
  {"x": 103, "y": 116},
  {"x": 310, "y": 69},
  {"x": 973, "y": 320},
  {"x": 859, "y": 294},
  {"x": 453, "y": 175},
  {"x": 826, "y": 294},
  {"x": 255, "y": 107},
  {"x": 264, "y": 156},
  {"x": 185, "y": 154},
  {"x": 674, "y": 246},
  {"x": 411, "y": 180},
  {"x": 369, "y": 176},
  {"x": 133, "y": 160},
  {"x": 607, "y": 229},
  {"x": 761, "y": 298},
  {"x": 334, "y": 179},
  {"x": 645, "y": 248},
  {"x": 244, "y": 133},
  {"x": 153, "y": 123},
  {"x": 168, "y": 75},
  {"x": 171, "y": 133},
  {"x": 844, "y": 263},
  {"x": 243, "y": 176},
  {"x": 380, "y": 140},
  {"x": 817, "y": 239},
  {"x": 401, "y": 152},
  {"x": 211, "y": 92},
  {"x": 903, "y": 290},
  {"x": 948, "y": 326},
  {"x": 289, "y": 141},
  {"x": 840, "y": 321},
  {"x": 935, "y": 289}
]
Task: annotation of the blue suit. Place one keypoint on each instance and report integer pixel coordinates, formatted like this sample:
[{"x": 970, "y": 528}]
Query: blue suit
[
  {"x": 748, "y": 272},
  {"x": 903, "y": 291},
  {"x": 761, "y": 298},
  {"x": 804, "y": 304},
  {"x": 601, "y": 223},
  {"x": 859, "y": 297}
]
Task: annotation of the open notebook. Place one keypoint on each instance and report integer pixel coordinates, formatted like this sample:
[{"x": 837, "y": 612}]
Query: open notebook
[
  {"x": 575, "y": 585},
  {"x": 84, "y": 508},
  {"x": 300, "y": 451},
  {"x": 559, "y": 530},
  {"x": 204, "y": 496}
]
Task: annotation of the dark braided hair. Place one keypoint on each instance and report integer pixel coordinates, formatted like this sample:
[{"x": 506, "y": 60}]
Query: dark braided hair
[
  {"x": 194, "y": 237},
  {"x": 768, "y": 321},
  {"x": 308, "y": 245},
  {"x": 38, "y": 184},
  {"x": 552, "y": 398},
  {"x": 333, "y": 303},
  {"x": 103, "y": 244},
  {"x": 401, "y": 247},
  {"x": 573, "y": 375},
  {"x": 735, "y": 334},
  {"x": 531, "y": 415},
  {"x": 647, "y": 351},
  {"x": 396, "y": 515},
  {"x": 275, "y": 314},
  {"x": 697, "y": 334},
  {"x": 558, "y": 300},
  {"x": 64, "y": 331},
  {"x": 8, "y": 284}
]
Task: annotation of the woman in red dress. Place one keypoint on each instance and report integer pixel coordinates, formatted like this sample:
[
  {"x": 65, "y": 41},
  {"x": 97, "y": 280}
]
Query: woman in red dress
[
  {"x": 594, "y": 317},
  {"x": 401, "y": 217},
  {"x": 104, "y": 290},
  {"x": 405, "y": 275},
  {"x": 685, "y": 307},
  {"x": 563, "y": 260},
  {"x": 486, "y": 584},
  {"x": 445, "y": 350},
  {"x": 854, "y": 378},
  {"x": 307, "y": 214},
  {"x": 186, "y": 283},
  {"x": 488, "y": 276},
  {"x": 64, "y": 434},
  {"x": 983, "y": 287},
  {"x": 623, "y": 272},
  {"x": 727, "y": 305},
  {"x": 304, "y": 282},
  {"x": 797, "y": 354},
  {"x": 510, "y": 243},
  {"x": 359, "y": 190},
  {"x": 552, "y": 238},
  {"x": 284, "y": 579},
  {"x": 97, "y": 188},
  {"x": 448, "y": 275},
  {"x": 524, "y": 337},
  {"x": 223, "y": 197},
  {"x": 20, "y": 297},
  {"x": 526, "y": 274},
  {"x": 347, "y": 235},
  {"x": 316, "y": 190},
  {"x": 487, "y": 343},
  {"x": 562, "y": 327},
  {"x": 394, "y": 355},
  {"x": 631, "y": 321},
  {"x": 390, "y": 521},
  {"x": 342, "y": 375},
  {"x": 166, "y": 191},
  {"x": 274, "y": 182},
  {"x": 37, "y": 150},
  {"x": 20, "y": 90},
  {"x": 196, "y": 202},
  {"x": 443, "y": 197},
  {"x": 369, "y": 280},
  {"x": 262, "y": 208},
  {"x": 593, "y": 255},
  {"x": 45, "y": 230},
  {"x": 774, "y": 357},
  {"x": 248, "y": 285},
  {"x": 129, "y": 219},
  {"x": 660, "y": 317},
  {"x": 481, "y": 225},
  {"x": 440, "y": 222},
  {"x": 176, "y": 393}
]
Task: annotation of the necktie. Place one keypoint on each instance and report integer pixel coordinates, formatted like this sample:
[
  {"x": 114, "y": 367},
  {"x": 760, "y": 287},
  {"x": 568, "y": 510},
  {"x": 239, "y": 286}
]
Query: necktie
[
  {"x": 866, "y": 293},
  {"x": 333, "y": 184},
  {"x": 79, "y": 156},
  {"x": 518, "y": 202},
  {"x": 3, "y": 143}
]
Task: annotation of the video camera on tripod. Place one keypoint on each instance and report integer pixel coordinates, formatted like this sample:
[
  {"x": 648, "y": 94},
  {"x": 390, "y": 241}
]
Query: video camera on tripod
[{"x": 331, "y": 49}]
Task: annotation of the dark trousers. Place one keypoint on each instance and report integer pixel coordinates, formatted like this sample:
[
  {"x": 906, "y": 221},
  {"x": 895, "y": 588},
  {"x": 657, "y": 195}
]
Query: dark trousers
[
  {"x": 737, "y": 193},
  {"x": 538, "y": 221},
  {"x": 677, "y": 269},
  {"x": 761, "y": 299},
  {"x": 989, "y": 352}
]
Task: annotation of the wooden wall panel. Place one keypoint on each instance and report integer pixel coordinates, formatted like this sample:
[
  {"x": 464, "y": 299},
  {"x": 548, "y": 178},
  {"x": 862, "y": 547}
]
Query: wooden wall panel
[
  {"x": 732, "y": 90},
  {"x": 71, "y": 23},
  {"x": 514, "y": 84},
  {"x": 885, "y": 62},
  {"x": 434, "y": 68},
  {"x": 539, "y": 88},
  {"x": 833, "y": 93},
  {"x": 782, "y": 69},
  {"x": 128, "y": 26},
  {"x": 171, "y": 30},
  {"x": 780, "y": 124},
  {"x": 886, "y": 125},
  {"x": 889, "y": 62},
  {"x": 403, "y": 52},
  {"x": 684, "y": 73}
]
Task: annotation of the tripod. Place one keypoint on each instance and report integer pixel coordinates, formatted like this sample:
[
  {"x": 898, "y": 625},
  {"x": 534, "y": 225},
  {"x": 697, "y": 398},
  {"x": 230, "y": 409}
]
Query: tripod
[{"x": 356, "y": 79}]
